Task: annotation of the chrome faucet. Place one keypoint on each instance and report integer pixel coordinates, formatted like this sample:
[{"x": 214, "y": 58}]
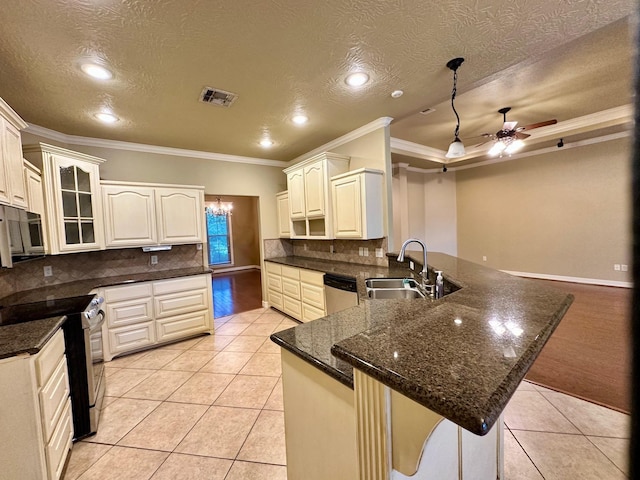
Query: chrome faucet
[{"x": 423, "y": 272}]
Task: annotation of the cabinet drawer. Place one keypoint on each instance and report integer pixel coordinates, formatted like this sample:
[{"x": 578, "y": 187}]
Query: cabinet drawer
[
  {"x": 129, "y": 313},
  {"x": 53, "y": 398},
  {"x": 131, "y": 337},
  {"x": 312, "y": 295},
  {"x": 291, "y": 288},
  {"x": 175, "y": 285},
  {"x": 311, "y": 313},
  {"x": 49, "y": 357},
  {"x": 274, "y": 282},
  {"x": 273, "y": 268},
  {"x": 275, "y": 299},
  {"x": 179, "y": 303},
  {"x": 291, "y": 272},
  {"x": 182, "y": 326},
  {"x": 58, "y": 448},
  {"x": 292, "y": 307},
  {"x": 311, "y": 277},
  {"x": 129, "y": 292}
]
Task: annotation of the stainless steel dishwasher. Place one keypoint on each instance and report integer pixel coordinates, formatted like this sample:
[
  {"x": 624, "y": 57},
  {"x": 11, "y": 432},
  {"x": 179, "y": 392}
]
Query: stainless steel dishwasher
[{"x": 340, "y": 292}]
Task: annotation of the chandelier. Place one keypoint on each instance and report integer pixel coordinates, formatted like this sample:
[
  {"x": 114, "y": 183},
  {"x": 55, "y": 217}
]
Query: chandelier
[{"x": 219, "y": 208}]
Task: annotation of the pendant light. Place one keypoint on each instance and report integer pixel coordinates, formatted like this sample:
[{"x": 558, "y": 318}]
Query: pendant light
[{"x": 456, "y": 149}]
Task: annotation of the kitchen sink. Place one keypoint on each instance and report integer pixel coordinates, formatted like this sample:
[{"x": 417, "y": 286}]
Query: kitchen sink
[
  {"x": 399, "y": 283},
  {"x": 387, "y": 293}
]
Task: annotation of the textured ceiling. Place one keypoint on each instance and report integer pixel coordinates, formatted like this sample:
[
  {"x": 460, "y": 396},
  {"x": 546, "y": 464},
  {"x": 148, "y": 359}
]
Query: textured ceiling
[{"x": 283, "y": 57}]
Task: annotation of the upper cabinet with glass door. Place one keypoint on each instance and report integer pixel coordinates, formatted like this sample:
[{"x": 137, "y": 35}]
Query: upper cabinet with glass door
[{"x": 72, "y": 198}]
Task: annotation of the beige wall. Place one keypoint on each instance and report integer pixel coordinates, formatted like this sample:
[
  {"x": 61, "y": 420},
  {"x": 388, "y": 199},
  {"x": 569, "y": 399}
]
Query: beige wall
[
  {"x": 244, "y": 228},
  {"x": 565, "y": 213}
]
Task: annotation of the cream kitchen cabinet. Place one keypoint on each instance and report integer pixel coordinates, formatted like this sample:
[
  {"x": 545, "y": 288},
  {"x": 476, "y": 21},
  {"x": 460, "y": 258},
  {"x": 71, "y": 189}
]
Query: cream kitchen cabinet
[
  {"x": 284, "y": 221},
  {"x": 357, "y": 204},
  {"x": 36, "y": 435},
  {"x": 143, "y": 214},
  {"x": 73, "y": 205},
  {"x": 298, "y": 292},
  {"x": 145, "y": 314},
  {"x": 310, "y": 194},
  {"x": 12, "y": 187},
  {"x": 33, "y": 185}
]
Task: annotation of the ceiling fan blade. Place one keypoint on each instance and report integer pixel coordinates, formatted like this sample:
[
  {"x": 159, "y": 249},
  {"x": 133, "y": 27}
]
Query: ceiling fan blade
[
  {"x": 522, "y": 136},
  {"x": 508, "y": 126},
  {"x": 489, "y": 139},
  {"x": 539, "y": 124}
]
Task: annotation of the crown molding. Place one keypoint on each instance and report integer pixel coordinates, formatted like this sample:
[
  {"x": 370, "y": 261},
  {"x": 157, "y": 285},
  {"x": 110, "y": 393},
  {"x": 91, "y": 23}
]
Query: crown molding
[
  {"x": 140, "y": 147},
  {"x": 412, "y": 149},
  {"x": 346, "y": 138},
  {"x": 12, "y": 117},
  {"x": 532, "y": 153}
]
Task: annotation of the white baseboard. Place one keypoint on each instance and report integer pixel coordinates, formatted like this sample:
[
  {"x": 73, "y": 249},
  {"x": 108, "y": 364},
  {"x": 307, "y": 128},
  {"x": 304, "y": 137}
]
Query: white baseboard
[
  {"x": 235, "y": 269},
  {"x": 561, "y": 278}
]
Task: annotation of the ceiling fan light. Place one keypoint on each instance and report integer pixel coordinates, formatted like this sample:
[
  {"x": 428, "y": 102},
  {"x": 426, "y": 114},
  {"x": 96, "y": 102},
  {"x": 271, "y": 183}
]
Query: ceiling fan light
[
  {"x": 497, "y": 149},
  {"x": 456, "y": 149},
  {"x": 514, "y": 146}
]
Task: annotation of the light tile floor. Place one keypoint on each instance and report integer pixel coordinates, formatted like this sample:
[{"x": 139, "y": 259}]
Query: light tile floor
[{"x": 211, "y": 408}]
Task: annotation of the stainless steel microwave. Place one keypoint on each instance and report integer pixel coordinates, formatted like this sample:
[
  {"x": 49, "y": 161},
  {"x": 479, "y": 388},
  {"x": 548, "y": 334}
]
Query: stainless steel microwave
[{"x": 21, "y": 236}]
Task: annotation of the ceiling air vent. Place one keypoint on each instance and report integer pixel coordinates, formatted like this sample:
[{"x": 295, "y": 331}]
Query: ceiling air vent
[{"x": 215, "y": 96}]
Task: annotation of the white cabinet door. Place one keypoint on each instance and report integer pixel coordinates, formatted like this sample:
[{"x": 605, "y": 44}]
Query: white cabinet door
[
  {"x": 5, "y": 194},
  {"x": 13, "y": 166},
  {"x": 314, "y": 189},
  {"x": 180, "y": 216},
  {"x": 33, "y": 183},
  {"x": 129, "y": 215},
  {"x": 284, "y": 219},
  {"x": 347, "y": 211},
  {"x": 295, "y": 187}
]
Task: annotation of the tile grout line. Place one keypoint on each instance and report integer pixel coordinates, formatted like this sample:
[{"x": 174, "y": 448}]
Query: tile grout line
[{"x": 526, "y": 453}]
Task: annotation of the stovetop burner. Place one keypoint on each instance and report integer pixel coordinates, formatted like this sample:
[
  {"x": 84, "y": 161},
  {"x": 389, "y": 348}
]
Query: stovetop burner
[{"x": 28, "y": 312}]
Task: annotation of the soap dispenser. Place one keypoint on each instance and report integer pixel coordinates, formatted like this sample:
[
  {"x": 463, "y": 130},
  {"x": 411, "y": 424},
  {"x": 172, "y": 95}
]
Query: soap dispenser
[{"x": 439, "y": 293}]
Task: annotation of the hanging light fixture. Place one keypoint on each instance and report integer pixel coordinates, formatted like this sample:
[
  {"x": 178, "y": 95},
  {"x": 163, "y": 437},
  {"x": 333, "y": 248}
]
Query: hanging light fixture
[
  {"x": 219, "y": 208},
  {"x": 456, "y": 149}
]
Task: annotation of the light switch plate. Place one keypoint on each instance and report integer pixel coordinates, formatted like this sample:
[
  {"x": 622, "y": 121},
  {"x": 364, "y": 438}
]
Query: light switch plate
[
  {"x": 48, "y": 271},
  {"x": 154, "y": 259},
  {"x": 365, "y": 251},
  {"x": 379, "y": 253}
]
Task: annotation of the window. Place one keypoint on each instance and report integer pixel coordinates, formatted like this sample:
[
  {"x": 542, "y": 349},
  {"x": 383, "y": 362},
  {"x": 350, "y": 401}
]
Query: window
[{"x": 219, "y": 238}]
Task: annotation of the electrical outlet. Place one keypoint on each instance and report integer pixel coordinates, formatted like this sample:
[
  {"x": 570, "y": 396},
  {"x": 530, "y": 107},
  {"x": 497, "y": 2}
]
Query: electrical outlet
[
  {"x": 154, "y": 259},
  {"x": 330, "y": 248},
  {"x": 411, "y": 265},
  {"x": 624, "y": 267},
  {"x": 304, "y": 247},
  {"x": 361, "y": 251},
  {"x": 484, "y": 258},
  {"x": 198, "y": 246},
  {"x": 48, "y": 271},
  {"x": 365, "y": 251},
  {"x": 379, "y": 253},
  {"x": 616, "y": 267}
]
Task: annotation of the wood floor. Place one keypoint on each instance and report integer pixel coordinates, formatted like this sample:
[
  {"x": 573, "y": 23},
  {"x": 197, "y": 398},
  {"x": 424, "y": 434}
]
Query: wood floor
[
  {"x": 589, "y": 354},
  {"x": 236, "y": 292}
]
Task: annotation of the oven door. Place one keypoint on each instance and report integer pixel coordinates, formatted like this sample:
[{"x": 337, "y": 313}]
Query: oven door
[{"x": 95, "y": 365}]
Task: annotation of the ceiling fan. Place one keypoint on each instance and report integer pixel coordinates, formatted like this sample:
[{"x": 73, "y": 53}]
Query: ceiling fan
[{"x": 510, "y": 138}]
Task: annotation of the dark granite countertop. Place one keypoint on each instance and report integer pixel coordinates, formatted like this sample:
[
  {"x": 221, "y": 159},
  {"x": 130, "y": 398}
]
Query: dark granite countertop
[
  {"x": 461, "y": 356},
  {"x": 30, "y": 336},
  {"x": 27, "y": 338}
]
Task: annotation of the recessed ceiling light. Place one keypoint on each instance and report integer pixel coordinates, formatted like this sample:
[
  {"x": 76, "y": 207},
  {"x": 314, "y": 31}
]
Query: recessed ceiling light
[
  {"x": 106, "y": 117},
  {"x": 397, "y": 93},
  {"x": 96, "y": 71},
  {"x": 357, "y": 79},
  {"x": 300, "y": 119},
  {"x": 266, "y": 143}
]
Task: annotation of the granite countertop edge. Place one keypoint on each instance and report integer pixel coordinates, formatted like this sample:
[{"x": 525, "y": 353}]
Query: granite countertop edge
[
  {"x": 28, "y": 338},
  {"x": 477, "y": 415}
]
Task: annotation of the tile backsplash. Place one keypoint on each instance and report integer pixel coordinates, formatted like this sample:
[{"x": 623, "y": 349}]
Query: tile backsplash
[
  {"x": 106, "y": 263},
  {"x": 343, "y": 250}
]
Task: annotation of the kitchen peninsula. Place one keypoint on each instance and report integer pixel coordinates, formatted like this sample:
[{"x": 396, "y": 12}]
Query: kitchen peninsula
[{"x": 396, "y": 388}]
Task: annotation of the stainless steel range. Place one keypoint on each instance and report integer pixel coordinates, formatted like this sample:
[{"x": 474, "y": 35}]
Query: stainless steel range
[{"x": 83, "y": 348}]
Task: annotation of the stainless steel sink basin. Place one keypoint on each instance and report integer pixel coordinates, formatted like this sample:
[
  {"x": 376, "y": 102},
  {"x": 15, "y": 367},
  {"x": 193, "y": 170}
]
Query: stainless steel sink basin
[
  {"x": 390, "y": 283},
  {"x": 387, "y": 293}
]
